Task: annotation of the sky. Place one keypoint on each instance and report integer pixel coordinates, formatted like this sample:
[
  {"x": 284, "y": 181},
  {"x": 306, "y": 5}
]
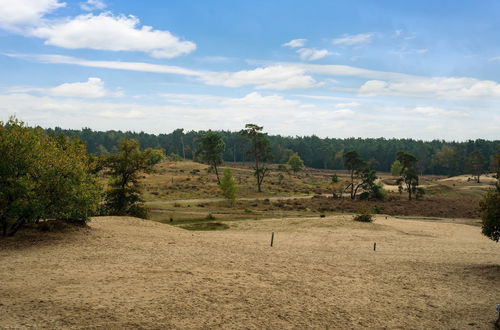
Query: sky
[{"x": 396, "y": 69}]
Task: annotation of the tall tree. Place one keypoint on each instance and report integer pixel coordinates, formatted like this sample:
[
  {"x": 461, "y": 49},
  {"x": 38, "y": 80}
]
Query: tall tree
[
  {"x": 476, "y": 164},
  {"x": 409, "y": 175},
  {"x": 124, "y": 195},
  {"x": 354, "y": 164},
  {"x": 211, "y": 148},
  {"x": 260, "y": 151}
]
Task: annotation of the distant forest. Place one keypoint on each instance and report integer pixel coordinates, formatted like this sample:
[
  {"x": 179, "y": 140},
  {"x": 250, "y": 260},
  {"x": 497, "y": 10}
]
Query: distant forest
[{"x": 435, "y": 157}]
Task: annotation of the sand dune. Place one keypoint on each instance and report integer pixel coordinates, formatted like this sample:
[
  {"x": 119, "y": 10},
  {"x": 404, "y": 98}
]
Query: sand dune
[{"x": 321, "y": 273}]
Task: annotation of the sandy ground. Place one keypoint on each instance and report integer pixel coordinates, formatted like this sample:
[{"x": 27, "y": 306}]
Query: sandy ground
[{"x": 321, "y": 273}]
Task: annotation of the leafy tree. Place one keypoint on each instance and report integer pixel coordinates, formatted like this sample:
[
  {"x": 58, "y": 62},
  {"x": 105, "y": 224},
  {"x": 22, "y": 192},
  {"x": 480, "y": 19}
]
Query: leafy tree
[
  {"x": 296, "y": 163},
  {"x": 43, "y": 177},
  {"x": 396, "y": 168},
  {"x": 408, "y": 173},
  {"x": 476, "y": 164},
  {"x": 354, "y": 164},
  {"x": 228, "y": 186},
  {"x": 490, "y": 214},
  {"x": 448, "y": 158},
  {"x": 211, "y": 149},
  {"x": 260, "y": 151},
  {"x": 124, "y": 195},
  {"x": 371, "y": 189}
]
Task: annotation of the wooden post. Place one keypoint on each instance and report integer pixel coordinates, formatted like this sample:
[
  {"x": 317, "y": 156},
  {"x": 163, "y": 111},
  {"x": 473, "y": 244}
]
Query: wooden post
[
  {"x": 374, "y": 246},
  {"x": 272, "y": 239}
]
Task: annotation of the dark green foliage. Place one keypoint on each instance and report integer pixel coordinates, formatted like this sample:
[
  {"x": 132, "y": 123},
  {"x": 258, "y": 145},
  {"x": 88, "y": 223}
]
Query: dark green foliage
[
  {"x": 260, "y": 151},
  {"x": 490, "y": 214},
  {"x": 124, "y": 195},
  {"x": 355, "y": 165},
  {"x": 364, "y": 217},
  {"x": 211, "y": 148},
  {"x": 490, "y": 207},
  {"x": 409, "y": 175},
  {"x": 44, "y": 177},
  {"x": 316, "y": 152}
]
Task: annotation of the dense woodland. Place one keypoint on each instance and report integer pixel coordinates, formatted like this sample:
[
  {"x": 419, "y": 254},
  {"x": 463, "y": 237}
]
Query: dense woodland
[{"x": 434, "y": 157}]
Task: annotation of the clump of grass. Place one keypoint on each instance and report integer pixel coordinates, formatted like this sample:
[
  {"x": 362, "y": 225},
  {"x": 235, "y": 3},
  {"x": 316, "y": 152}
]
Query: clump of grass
[
  {"x": 364, "y": 217},
  {"x": 322, "y": 215},
  {"x": 204, "y": 226},
  {"x": 210, "y": 216}
]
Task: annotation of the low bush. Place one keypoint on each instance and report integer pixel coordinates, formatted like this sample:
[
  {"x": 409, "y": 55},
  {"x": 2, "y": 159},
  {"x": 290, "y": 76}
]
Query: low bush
[{"x": 364, "y": 217}]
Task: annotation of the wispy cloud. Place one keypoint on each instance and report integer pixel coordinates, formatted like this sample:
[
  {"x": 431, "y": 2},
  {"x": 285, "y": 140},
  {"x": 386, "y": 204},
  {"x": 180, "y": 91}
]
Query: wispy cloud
[
  {"x": 311, "y": 54},
  {"x": 91, "y": 5},
  {"x": 354, "y": 39},
  {"x": 295, "y": 43}
]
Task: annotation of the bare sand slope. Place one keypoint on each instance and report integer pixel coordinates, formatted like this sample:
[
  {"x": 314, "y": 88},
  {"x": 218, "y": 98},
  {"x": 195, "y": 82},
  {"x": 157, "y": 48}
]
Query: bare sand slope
[{"x": 321, "y": 273}]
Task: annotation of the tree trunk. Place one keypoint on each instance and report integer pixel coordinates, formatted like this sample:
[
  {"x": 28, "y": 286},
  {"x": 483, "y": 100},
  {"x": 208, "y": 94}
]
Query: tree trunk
[
  {"x": 217, "y": 173},
  {"x": 15, "y": 227}
]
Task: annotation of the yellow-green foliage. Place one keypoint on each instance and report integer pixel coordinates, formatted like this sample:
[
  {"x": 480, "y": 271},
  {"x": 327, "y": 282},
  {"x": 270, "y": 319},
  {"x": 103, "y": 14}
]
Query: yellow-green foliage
[{"x": 228, "y": 186}]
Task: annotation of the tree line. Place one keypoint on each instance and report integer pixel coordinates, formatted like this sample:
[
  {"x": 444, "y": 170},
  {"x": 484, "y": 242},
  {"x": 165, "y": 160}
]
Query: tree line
[{"x": 433, "y": 157}]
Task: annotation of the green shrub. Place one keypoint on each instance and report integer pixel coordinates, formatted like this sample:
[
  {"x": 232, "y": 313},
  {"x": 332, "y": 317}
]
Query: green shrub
[
  {"x": 228, "y": 186},
  {"x": 490, "y": 214},
  {"x": 364, "y": 217}
]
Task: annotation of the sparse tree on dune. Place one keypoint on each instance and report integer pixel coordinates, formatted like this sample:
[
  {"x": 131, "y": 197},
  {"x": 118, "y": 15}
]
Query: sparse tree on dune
[
  {"x": 124, "y": 195},
  {"x": 354, "y": 164},
  {"x": 211, "y": 149},
  {"x": 408, "y": 173},
  {"x": 260, "y": 150}
]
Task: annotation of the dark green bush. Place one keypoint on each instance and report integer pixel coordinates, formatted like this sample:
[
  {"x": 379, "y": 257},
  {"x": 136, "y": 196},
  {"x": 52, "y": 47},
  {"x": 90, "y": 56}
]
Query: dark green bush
[{"x": 364, "y": 217}]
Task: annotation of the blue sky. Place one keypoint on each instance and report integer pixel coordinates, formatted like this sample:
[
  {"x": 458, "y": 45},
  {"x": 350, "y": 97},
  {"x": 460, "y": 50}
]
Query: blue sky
[{"x": 419, "y": 69}]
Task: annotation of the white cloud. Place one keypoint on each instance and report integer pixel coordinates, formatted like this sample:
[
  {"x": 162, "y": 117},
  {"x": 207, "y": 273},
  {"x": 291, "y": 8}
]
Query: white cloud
[
  {"x": 493, "y": 59},
  {"x": 295, "y": 43},
  {"x": 348, "y": 105},
  {"x": 353, "y": 39},
  {"x": 446, "y": 87},
  {"x": 16, "y": 13},
  {"x": 276, "y": 77},
  {"x": 435, "y": 111},
  {"x": 117, "y": 65},
  {"x": 310, "y": 54},
  {"x": 122, "y": 115},
  {"x": 255, "y": 99},
  {"x": 116, "y": 33},
  {"x": 92, "y": 88},
  {"x": 274, "y": 112},
  {"x": 91, "y": 5}
]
